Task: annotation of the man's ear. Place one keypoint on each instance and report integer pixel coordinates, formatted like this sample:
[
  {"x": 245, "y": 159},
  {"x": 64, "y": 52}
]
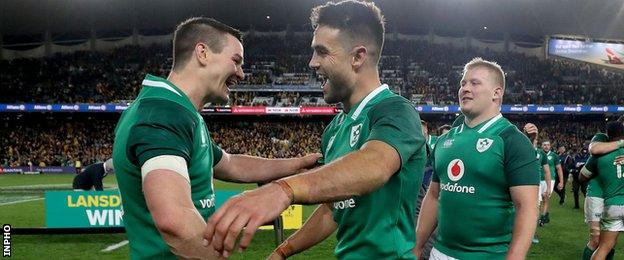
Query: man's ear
[
  {"x": 202, "y": 53},
  {"x": 360, "y": 56}
]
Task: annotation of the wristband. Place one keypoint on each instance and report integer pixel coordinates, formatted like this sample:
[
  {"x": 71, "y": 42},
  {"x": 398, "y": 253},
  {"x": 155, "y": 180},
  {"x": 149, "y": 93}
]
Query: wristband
[
  {"x": 289, "y": 191},
  {"x": 284, "y": 250}
]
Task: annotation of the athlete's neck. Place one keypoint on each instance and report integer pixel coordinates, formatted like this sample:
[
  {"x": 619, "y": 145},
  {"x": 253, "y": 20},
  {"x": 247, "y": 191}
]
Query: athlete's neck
[
  {"x": 367, "y": 82},
  {"x": 472, "y": 121},
  {"x": 188, "y": 85}
]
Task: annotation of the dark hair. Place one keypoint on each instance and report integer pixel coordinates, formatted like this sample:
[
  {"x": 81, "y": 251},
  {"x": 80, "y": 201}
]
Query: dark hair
[
  {"x": 199, "y": 29},
  {"x": 443, "y": 127},
  {"x": 615, "y": 130},
  {"x": 357, "y": 20}
]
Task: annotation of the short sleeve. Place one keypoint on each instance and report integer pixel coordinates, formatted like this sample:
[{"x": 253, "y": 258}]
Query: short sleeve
[
  {"x": 592, "y": 166},
  {"x": 395, "y": 122},
  {"x": 520, "y": 160},
  {"x": 163, "y": 128},
  {"x": 217, "y": 154},
  {"x": 600, "y": 137},
  {"x": 543, "y": 160}
]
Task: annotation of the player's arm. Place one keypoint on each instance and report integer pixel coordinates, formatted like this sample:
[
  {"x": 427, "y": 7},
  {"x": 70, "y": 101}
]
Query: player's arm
[
  {"x": 428, "y": 217},
  {"x": 317, "y": 228},
  {"x": 252, "y": 169},
  {"x": 525, "y": 222},
  {"x": 547, "y": 178},
  {"x": 161, "y": 144},
  {"x": 589, "y": 170},
  {"x": 393, "y": 140},
  {"x": 168, "y": 197},
  {"x": 559, "y": 175},
  {"x": 520, "y": 167},
  {"x": 600, "y": 144}
]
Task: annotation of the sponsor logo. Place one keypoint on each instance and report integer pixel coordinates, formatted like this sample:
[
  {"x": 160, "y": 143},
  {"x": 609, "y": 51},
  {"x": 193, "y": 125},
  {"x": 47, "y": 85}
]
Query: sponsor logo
[
  {"x": 208, "y": 202},
  {"x": 355, "y": 134},
  {"x": 419, "y": 108},
  {"x": 516, "y": 109},
  {"x": 119, "y": 107},
  {"x": 543, "y": 109},
  {"x": 446, "y": 109},
  {"x": 620, "y": 109},
  {"x": 524, "y": 109},
  {"x": 483, "y": 144},
  {"x": 345, "y": 204},
  {"x": 457, "y": 188},
  {"x": 455, "y": 169},
  {"x": 97, "y": 108},
  {"x": 596, "y": 109},
  {"x": 438, "y": 109},
  {"x": 13, "y": 107}
]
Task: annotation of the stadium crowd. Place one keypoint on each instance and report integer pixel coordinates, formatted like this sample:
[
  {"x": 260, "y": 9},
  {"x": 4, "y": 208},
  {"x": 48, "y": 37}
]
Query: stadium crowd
[
  {"x": 58, "y": 141},
  {"x": 424, "y": 73}
]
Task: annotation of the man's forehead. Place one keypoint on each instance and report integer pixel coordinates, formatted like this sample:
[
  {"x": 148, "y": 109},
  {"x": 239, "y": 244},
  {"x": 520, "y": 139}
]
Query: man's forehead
[{"x": 324, "y": 35}]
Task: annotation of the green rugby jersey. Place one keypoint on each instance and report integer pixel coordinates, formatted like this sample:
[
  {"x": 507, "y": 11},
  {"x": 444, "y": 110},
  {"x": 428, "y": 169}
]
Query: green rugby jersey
[
  {"x": 608, "y": 176},
  {"x": 593, "y": 187},
  {"x": 161, "y": 121},
  {"x": 541, "y": 159},
  {"x": 553, "y": 161},
  {"x": 475, "y": 168},
  {"x": 378, "y": 225},
  {"x": 432, "y": 141}
]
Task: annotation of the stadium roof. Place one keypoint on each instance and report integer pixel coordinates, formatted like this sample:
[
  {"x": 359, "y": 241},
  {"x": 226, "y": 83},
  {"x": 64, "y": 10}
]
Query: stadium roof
[{"x": 602, "y": 19}]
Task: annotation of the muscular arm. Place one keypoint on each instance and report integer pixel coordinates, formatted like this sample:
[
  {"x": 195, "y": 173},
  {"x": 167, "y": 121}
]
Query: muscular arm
[
  {"x": 249, "y": 169},
  {"x": 600, "y": 148},
  {"x": 428, "y": 218},
  {"x": 168, "y": 197},
  {"x": 355, "y": 174},
  {"x": 317, "y": 228},
  {"x": 525, "y": 202}
]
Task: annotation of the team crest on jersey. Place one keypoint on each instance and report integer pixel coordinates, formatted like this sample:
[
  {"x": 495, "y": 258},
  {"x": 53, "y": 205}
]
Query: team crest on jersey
[
  {"x": 549, "y": 157},
  {"x": 483, "y": 144},
  {"x": 355, "y": 134},
  {"x": 447, "y": 143},
  {"x": 455, "y": 169}
]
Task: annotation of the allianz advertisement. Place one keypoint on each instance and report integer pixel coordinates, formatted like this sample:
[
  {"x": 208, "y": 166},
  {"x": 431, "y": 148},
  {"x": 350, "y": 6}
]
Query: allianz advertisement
[
  {"x": 607, "y": 54},
  {"x": 86, "y": 209}
]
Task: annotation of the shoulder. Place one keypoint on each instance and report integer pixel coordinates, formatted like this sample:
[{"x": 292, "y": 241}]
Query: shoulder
[
  {"x": 394, "y": 104},
  {"x": 159, "y": 110}
]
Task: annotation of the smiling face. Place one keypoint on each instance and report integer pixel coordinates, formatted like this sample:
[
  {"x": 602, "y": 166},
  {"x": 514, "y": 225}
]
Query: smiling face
[
  {"x": 479, "y": 91},
  {"x": 224, "y": 70},
  {"x": 331, "y": 61},
  {"x": 546, "y": 146}
]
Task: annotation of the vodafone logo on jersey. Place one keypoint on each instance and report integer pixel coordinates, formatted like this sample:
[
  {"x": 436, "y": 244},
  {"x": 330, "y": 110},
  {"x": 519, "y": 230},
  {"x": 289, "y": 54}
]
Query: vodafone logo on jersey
[{"x": 455, "y": 169}]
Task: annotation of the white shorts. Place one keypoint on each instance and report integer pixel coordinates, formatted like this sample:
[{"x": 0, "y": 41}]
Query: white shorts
[
  {"x": 437, "y": 255},
  {"x": 613, "y": 218},
  {"x": 593, "y": 209},
  {"x": 543, "y": 187}
]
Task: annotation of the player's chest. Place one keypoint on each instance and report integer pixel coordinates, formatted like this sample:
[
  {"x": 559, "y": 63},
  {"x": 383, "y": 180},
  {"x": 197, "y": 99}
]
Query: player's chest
[
  {"x": 345, "y": 137},
  {"x": 469, "y": 157}
]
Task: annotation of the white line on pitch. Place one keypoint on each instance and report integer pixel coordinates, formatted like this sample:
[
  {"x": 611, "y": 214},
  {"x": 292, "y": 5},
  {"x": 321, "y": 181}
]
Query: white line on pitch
[
  {"x": 19, "y": 201},
  {"x": 115, "y": 246}
]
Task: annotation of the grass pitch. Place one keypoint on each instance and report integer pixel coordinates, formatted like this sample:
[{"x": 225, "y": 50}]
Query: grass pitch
[{"x": 22, "y": 205}]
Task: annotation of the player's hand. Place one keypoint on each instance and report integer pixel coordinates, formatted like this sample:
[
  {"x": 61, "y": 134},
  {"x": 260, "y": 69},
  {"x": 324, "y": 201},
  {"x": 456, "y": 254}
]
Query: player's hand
[
  {"x": 275, "y": 256},
  {"x": 248, "y": 210},
  {"x": 531, "y": 130},
  {"x": 619, "y": 160},
  {"x": 560, "y": 186},
  {"x": 546, "y": 195},
  {"x": 310, "y": 161}
]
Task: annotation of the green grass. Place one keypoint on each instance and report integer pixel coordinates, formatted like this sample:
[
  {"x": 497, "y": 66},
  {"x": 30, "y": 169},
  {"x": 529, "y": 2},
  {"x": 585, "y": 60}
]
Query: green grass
[{"x": 563, "y": 238}]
